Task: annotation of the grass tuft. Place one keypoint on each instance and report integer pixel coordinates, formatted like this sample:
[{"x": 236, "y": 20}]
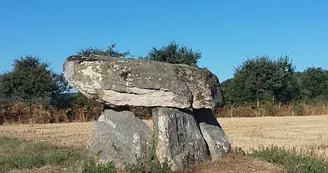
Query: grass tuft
[
  {"x": 91, "y": 166},
  {"x": 291, "y": 160}
]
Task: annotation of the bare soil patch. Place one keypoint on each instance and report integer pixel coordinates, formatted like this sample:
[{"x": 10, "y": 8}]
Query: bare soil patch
[{"x": 236, "y": 164}]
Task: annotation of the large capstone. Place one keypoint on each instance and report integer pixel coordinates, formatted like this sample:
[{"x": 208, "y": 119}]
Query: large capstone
[
  {"x": 139, "y": 82},
  {"x": 179, "y": 140},
  {"x": 120, "y": 137}
]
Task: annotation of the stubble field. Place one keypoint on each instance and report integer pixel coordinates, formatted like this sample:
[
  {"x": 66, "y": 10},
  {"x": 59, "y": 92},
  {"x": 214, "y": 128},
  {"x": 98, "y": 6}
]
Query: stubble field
[{"x": 306, "y": 134}]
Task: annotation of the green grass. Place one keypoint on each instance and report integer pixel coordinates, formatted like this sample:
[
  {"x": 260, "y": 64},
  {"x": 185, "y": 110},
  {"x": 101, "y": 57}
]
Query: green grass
[
  {"x": 91, "y": 166},
  {"x": 293, "y": 161},
  {"x": 21, "y": 154}
]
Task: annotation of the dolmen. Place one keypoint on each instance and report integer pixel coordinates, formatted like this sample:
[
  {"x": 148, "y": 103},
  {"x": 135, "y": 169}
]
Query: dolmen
[{"x": 181, "y": 99}]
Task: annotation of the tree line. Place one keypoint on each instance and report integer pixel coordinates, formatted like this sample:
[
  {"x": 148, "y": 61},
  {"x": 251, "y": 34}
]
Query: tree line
[
  {"x": 267, "y": 79},
  {"x": 256, "y": 80}
]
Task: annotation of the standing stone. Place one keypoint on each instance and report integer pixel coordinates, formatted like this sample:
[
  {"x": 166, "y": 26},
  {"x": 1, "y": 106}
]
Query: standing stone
[
  {"x": 217, "y": 141},
  {"x": 179, "y": 138},
  {"x": 120, "y": 137}
]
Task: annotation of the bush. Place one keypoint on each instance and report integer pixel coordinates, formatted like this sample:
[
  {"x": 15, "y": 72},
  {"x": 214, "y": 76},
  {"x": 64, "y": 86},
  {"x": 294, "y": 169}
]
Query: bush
[
  {"x": 293, "y": 161},
  {"x": 272, "y": 109},
  {"x": 299, "y": 110},
  {"x": 20, "y": 112}
]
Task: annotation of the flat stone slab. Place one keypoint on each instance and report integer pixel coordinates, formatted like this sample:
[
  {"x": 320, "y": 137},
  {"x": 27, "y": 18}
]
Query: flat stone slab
[{"x": 139, "y": 82}]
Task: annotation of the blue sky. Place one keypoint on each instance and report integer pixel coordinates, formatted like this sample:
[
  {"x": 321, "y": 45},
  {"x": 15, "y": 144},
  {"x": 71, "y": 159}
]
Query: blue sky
[{"x": 226, "y": 32}]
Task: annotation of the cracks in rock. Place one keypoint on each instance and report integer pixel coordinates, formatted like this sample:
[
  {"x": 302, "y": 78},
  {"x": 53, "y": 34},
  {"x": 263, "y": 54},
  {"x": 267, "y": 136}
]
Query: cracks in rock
[
  {"x": 127, "y": 92},
  {"x": 135, "y": 93}
]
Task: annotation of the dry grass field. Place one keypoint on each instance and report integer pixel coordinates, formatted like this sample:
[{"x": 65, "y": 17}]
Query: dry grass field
[{"x": 308, "y": 133}]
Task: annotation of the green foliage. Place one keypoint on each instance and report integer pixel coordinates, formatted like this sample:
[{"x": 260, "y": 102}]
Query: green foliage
[
  {"x": 234, "y": 92},
  {"x": 173, "y": 53},
  {"x": 63, "y": 100},
  {"x": 314, "y": 82},
  {"x": 21, "y": 154},
  {"x": 261, "y": 78},
  {"x": 291, "y": 160},
  {"x": 84, "y": 101},
  {"x": 2, "y": 95},
  {"x": 91, "y": 166},
  {"x": 152, "y": 166},
  {"x": 110, "y": 51},
  {"x": 60, "y": 97},
  {"x": 288, "y": 88},
  {"x": 92, "y": 109},
  {"x": 31, "y": 80}
]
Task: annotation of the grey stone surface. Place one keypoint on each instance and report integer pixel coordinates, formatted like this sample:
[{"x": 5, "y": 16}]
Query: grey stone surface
[
  {"x": 136, "y": 82},
  {"x": 179, "y": 138},
  {"x": 119, "y": 136},
  {"x": 217, "y": 141}
]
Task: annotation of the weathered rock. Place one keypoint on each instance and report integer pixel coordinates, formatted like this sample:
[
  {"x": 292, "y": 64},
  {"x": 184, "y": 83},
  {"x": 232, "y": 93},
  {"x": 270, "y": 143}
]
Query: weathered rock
[
  {"x": 137, "y": 82},
  {"x": 217, "y": 141},
  {"x": 119, "y": 136},
  {"x": 179, "y": 139}
]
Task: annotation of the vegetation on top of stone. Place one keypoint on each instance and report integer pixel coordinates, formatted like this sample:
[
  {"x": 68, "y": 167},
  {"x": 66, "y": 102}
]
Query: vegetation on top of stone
[
  {"x": 110, "y": 51},
  {"x": 175, "y": 54}
]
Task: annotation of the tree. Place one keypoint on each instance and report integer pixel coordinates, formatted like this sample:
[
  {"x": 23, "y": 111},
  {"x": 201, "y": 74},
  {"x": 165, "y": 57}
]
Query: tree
[
  {"x": 2, "y": 97},
  {"x": 173, "y": 53},
  {"x": 234, "y": 92},
  {"x": 61, "y": 97},
  {"x": 314, "y": 83},
  {"x": 30, "y": 80},
  {"x": 289, "y": 88},
  {"x": 262, "y": 78},
  {"x": 110, "y": 51}
]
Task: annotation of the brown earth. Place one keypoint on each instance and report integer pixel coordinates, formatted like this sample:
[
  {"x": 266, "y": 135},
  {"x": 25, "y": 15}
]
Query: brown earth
[{"x": 235, "y": 163}]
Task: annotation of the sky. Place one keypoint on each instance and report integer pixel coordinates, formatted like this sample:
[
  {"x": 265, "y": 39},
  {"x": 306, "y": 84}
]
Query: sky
[{"x": 226, "y": 32}]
